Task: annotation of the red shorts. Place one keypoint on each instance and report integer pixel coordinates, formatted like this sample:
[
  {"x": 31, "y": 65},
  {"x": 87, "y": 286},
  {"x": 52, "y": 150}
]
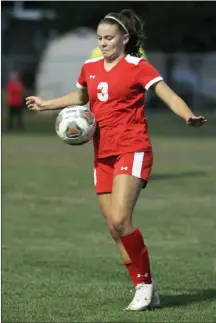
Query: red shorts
[{"x": 137, "y": 164}]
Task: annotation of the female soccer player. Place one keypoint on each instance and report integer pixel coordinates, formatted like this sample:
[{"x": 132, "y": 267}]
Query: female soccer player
[{"x": 115, "y": 86}]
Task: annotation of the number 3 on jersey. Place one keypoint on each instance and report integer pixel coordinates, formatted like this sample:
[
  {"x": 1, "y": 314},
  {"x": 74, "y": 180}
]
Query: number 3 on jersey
[{"x": 103, "y": 95}]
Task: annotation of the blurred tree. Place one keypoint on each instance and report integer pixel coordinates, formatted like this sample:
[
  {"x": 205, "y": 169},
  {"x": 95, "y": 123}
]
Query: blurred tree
[
  {"x": 184, "y": 26},
  {"x": 170, "y": 26}
]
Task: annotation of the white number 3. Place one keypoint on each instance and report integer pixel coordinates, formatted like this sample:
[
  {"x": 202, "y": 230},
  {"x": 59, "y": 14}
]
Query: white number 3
[{"x": 103, "y": 95}]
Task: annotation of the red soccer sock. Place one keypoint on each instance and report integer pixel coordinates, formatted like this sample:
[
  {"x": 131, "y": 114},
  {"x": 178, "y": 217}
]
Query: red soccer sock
[
  {"x": 138, "y": 253},
  {"x": 132, "y": 270}
]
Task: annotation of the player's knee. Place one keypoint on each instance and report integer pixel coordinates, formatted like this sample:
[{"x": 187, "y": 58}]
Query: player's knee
[
  {"x": 113, "y": 233},
  {"x": 119, "y": 223},
  {"x": 112, "y": 230}
]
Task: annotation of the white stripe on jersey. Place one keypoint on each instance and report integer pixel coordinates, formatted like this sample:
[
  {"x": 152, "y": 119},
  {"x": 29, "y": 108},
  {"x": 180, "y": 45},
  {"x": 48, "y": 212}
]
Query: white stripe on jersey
[
  {"x": 80, "y": 86},
  {"x": 155, "y": 80},
  {"x": 133, "y": 59},
  {"x": 92, "y": 60}
]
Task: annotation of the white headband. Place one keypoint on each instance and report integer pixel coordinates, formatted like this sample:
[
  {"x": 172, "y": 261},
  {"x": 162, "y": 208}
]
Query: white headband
[{"x": 118, "y": 21}]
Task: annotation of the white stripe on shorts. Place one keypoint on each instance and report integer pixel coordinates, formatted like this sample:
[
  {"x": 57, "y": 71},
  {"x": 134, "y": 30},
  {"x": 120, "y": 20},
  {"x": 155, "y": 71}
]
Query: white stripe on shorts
[
  {"x": 95, "y": 177},
  {"x": 137, "y": 164}
]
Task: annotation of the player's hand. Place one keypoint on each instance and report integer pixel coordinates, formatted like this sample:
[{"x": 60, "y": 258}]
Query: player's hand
[
  {"x": 196, "y": 121},
  {"x": 34, "y": 103}
]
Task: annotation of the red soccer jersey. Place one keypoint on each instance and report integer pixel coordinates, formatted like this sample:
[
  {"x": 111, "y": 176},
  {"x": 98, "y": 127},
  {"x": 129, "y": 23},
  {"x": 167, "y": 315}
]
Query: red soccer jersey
[
  {"x": 14, "y": 91},
  {"x": 117, "y": 100}
]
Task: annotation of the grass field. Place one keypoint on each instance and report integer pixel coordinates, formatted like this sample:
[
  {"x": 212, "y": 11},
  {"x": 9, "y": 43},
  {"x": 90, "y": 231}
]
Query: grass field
[{"x": 59, "y": 264}]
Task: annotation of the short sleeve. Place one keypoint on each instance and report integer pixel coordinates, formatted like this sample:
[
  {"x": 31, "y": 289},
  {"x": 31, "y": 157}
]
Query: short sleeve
[
  {"x": 81, "y": 82},
  {"x": 148, "y": 75}
]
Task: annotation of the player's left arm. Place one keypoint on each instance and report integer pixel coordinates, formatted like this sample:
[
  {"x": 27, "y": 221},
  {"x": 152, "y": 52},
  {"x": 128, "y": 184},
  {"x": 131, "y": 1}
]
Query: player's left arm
[{"x": 177, "y": 105}]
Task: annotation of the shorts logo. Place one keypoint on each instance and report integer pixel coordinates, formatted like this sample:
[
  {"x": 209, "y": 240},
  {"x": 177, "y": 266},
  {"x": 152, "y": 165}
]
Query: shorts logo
[{"x": 124, "y": 168}]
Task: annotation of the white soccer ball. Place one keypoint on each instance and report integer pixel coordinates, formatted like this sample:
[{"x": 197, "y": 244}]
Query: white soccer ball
[{"x": 75, "y": 125}]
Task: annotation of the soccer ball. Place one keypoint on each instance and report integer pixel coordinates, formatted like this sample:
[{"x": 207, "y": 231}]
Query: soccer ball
[{"x": 75, "y": 125}]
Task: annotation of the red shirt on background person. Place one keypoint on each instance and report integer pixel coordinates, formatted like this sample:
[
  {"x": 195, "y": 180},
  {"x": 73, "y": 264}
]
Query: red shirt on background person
[{"x": 15, "y": 90}]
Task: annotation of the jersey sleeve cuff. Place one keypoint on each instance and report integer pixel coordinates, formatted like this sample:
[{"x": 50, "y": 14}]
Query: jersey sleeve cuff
[
  {"x": 80, "y": 86},
  {"x": 155, "y": 80}
]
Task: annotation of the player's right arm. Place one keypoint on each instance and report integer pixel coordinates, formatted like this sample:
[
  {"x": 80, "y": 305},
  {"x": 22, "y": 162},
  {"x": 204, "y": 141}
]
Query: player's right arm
[{"x": 80, "y": 97}]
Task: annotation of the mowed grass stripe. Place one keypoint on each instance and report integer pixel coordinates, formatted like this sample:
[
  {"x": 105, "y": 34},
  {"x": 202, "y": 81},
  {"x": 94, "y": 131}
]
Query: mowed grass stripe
[{"x": 59, "y": 263}]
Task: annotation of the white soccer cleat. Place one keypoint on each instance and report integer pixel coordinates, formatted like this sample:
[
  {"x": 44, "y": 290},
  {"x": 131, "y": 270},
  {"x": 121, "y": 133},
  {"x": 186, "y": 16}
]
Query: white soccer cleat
[
  {"x": 154, "y": 303},
  {"x": 142, "y": 298}
]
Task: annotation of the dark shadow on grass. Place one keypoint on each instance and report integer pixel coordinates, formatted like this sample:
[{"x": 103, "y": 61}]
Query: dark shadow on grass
[
  {"x": 177, "y": 175},
  {"x": 195, "y": 296}
]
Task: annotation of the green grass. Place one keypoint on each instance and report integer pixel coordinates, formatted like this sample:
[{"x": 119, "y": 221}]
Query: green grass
[{"x": 59, "y": 263}]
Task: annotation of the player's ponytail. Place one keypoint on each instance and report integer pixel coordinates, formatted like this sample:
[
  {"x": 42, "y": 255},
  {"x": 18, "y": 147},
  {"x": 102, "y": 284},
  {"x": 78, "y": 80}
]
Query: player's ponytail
[
  {"x": 136, "y": 33},
  {"x": 130, "y": 23}
]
